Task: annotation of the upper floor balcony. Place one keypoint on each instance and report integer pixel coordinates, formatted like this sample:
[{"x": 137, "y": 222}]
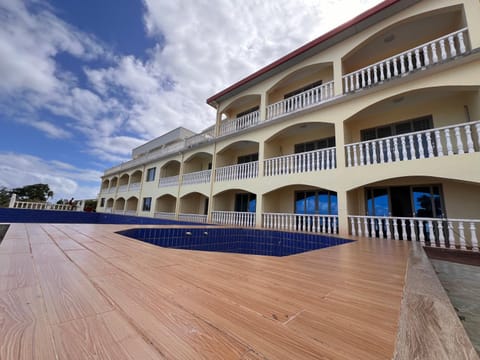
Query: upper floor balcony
[
  {"x": 197, "y": 177},
  {"x": 437, "y": 142}
]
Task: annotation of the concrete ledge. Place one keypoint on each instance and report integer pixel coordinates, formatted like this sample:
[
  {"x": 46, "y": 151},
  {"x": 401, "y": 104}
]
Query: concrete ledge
[{"x": 429, "y": 327}]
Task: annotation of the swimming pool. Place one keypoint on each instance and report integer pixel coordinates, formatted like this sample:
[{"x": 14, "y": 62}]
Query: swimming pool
[{"x": 234, "y": 240}]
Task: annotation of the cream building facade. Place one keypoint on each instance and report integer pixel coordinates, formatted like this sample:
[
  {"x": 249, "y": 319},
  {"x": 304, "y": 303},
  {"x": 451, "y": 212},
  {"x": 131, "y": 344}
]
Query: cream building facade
[{"x": 371, "y": 130}]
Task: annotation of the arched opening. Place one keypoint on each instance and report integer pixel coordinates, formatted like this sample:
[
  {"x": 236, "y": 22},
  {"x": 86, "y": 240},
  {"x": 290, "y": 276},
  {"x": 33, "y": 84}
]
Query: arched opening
[
  {"x": 409, "y": 45},
  {"x": 404, "y": 127},
  {"x": 169, "y": 174},
  {"x": 109, "y": 205},
  {"x": 197, "y": 169},
  {"x": 301, "y": 208},
  {"x": 306, "y": 87},
  {"x": 105, "y": 185},
  {"x": 299, "y": 148},
  {"x": 236, "y": 161},
  {"x": 135, "y": 180},
  {"x": 132, "y": 206},
  {"x": 193, "y": 207},
  {"x": 235, "y": 207},
  {"x": 435, "y": 211},
  {"x": 113, "y": 184},
  {"x": 165, "y": 207},
  {"x": 123, "y": 183},
  {"x": 240, "y": 114},
  {"x": 119, "y": 206}
]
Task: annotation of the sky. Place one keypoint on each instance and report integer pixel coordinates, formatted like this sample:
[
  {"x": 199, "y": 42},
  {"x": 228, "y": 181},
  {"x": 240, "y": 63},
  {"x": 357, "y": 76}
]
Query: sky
[{"x": 83, "y": 82}]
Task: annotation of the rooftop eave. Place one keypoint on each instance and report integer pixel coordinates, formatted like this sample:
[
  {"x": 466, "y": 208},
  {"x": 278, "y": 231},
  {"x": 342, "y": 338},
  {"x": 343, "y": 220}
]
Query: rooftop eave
[{"x": 338, "y": 34}]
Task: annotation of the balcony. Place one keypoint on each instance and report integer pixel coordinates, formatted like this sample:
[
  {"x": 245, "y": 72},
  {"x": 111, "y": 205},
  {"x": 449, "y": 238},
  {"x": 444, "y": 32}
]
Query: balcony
[
  {"x": 122, "y": 188},
  {"x": 247, "y": 170},
  {"x": 229, "y": 126},
  {"x": 444, "y": 141},
  {"x": 423, "y": 56},
  {"x": 168, "y": 181},
  {"x": 197, "y": 177},
  {"x": 235, "y": 218},
  {"x": 443, "y": 233},
  {"x": 197, "y": 218},
  {"x": 316, "y": 160},
  {"x": 309, "y": 98},
  {"x": 134, "y": 186},
  {"x": 312, "y": 223}
]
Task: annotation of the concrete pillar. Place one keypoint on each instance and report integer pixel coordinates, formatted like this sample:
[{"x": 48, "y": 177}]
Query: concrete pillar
[
  {"x": 472, "y": 17},
  {"x": 342, "y": 213},
  {"x": 263, "y": 107},
  {"x": 259, "y": 210},
  {"x": 13, "y": 199},
  {"x": 180, "y": 175},
  {"x": 337, "y": 77}
]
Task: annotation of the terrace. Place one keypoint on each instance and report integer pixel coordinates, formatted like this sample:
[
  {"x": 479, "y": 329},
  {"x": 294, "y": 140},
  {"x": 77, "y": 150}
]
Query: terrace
[{"x": 78, "y": 291}]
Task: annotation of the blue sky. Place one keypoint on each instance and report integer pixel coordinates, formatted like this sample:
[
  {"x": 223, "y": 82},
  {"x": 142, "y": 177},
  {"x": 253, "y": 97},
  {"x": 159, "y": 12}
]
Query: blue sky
[{"x": 85, "y": 81}]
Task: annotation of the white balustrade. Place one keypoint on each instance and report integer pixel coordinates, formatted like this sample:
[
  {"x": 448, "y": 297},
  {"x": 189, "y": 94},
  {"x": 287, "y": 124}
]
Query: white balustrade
[
  {"x": 435, "y": 142},
  {"x": 108, "y": 210},
  {"x": 435, "y": 232},
  {"x": 164, "y": 215},
  {"x": 130, "y": 212},
  {"x": 235, "y": 218},
  {"x": 168, "y": 181},
  {"x": 309, "y": 161},
  {"x": 314, "y": 96},
  {"x": 326, "y": 224},
  {"x": 197, "y": 177},
  {"x": 229, "y": 126},
  {"x": 247, "y": 170},
  {"x": 112, "y": 190},
  {"x": 408, "y": 61},
  {"x": 134, "y": 186},
  {"x": 43, "y": 206},
  {"x": 198, "y": 218},
  {"x": 118, "y": 211},
  {"x": 123, "y": 188}
]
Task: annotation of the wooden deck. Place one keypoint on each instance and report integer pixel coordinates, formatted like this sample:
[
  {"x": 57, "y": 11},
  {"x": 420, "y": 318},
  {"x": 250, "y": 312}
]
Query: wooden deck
[{"x": 84, "y": 292}]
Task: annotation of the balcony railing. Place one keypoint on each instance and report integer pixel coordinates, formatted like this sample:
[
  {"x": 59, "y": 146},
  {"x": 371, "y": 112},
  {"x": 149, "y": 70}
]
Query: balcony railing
[
  {"x": 108, "y": 210},
  {"x": 444, "y": 141},
  {"x": 314, "y": 96},
  {"x": 229, "y": 126},
  {"x": 235, "y": 218},
  {"x": 118, "y": 211},
  {"x": 442, "y": 49},
  {"x": 237, "y": 172},
  {"x": 198, "y": 218},
  {"x": 168, "y": 181},
  {"x": 43, "y": 206},
  {"x": 444, "y": 233},
  {"x": 123, "y": 188},
  {"x": 131, "y": 212},
  {"x": 316, "y": 160},
  {"x": 134, "y": 186},
  {"x": 111, "y": 190},
  {"x": 197, "y": 177},
  {"x": 164, "y": 215},
  {"x": 327, "y": 224}
]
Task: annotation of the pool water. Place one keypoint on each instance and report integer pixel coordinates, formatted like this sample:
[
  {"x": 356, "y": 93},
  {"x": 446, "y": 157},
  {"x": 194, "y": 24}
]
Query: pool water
[{"x": 234, "y": 240}]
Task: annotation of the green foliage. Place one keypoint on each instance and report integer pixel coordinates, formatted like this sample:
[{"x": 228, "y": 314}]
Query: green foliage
[
  {"x": 90, "y": 205},
  {"x": 4, "y": 196},
  {"x": 34, "y": 193}
]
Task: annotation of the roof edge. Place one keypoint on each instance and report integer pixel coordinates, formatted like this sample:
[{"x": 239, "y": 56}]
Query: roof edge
[{"x": 304, "y": 48}]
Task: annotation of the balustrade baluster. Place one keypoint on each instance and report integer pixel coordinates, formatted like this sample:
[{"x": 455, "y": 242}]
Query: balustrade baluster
[
  {"x": 389, "y": 73},
  {"x": 418, "y": 62},
  {"x": 473, "y": 236},
  {"x": 365, "y": 223},
  {"x": 459, "y": 140},
  {"x": 357, "y": 80},
  {"x": 359, "y": 227},
  {"x": 434, "y": 53},
  {"x": 429, "y": 144},
  {"x": 421, "y": 152},
  {"x": 382, "y": 73},
  {"x": 453, "y": 51},
  {"x": 364, "y": 80},
  {"x": 438, "y": 143},
  {"x": 387, "y": 229},
  {"x": 410, "y": 62},
  {"x": 413, "y": 233},
  {"x": 334, "y": 158},
  {"x": 468, "y": 133},
  {"x": 421, "y": 232},
  {"x": 426, "y": 60},
  {"x": 461, "y": 235},
  {"x": 369, "y": 77},
  {"x": 461, "y": 42},
  {"x": 443, "y": 50},
  {"x": 389, "y": 150},
  {"x": 431, "y": 234},
  {"x": 441, "y": 236},
  {"x": 362, "y": 159},
  {"x": 375, "y": 76},
  {"x": 403, "y": 229},
  {"x": 402, "y": 64},
  {"x": 345, "y": 84},
  {"x": 396, "y": 151},
  {"x": 374, "y": 152},
  {"x": 352, "y": 226},
  {"x": 404, "y": 148},
  {"x": 367, "y": 153},
  {"x": 380, "y": 144},
  {"x": 329, "y": 160},
  {"x": 395, "y": 67}
]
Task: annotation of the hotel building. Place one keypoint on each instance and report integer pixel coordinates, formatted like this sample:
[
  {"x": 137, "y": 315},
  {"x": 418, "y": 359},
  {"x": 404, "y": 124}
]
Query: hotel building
[{"x": 369, "y": 130}]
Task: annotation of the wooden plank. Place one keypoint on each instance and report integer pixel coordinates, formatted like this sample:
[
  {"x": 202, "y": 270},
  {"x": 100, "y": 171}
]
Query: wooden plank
[
  {"x": 68, "y": 293},
  {"x": 90, "y": 263},
  {"x": 98, "y": 337},
  {"x": 175, "y": 332},
  {"x": 24, "y": 331},
  {"x": 16, "y": 270}
]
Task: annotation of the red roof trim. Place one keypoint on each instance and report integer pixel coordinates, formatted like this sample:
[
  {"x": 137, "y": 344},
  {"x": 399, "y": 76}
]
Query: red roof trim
[{"x": 383, "y": 5}]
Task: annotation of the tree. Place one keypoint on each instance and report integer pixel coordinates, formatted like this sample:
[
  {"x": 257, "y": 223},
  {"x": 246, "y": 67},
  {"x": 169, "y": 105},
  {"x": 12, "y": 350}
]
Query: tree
[
  {"x": 34, "y": 193},
  {"x": 5, "y": 195},
  {"x": 49, "y": 194}
]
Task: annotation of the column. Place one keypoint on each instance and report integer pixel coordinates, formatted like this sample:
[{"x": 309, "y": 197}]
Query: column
[
  {"x": 342, "y": 213},
  {"x": 180, "y": 175},
  {"x": 263, "y": 107},
  {"x": 259, "y": 210},
  {"x": 472, "y": 9},
  {"x": 337, "y": 77}
]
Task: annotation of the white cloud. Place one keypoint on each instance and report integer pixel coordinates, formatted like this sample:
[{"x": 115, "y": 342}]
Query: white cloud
[{"x": 65, "y": 180}]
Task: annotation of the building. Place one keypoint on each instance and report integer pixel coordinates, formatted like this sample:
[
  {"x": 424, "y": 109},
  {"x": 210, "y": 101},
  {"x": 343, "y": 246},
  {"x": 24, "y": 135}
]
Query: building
[{"x": 371, "y": 129}]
